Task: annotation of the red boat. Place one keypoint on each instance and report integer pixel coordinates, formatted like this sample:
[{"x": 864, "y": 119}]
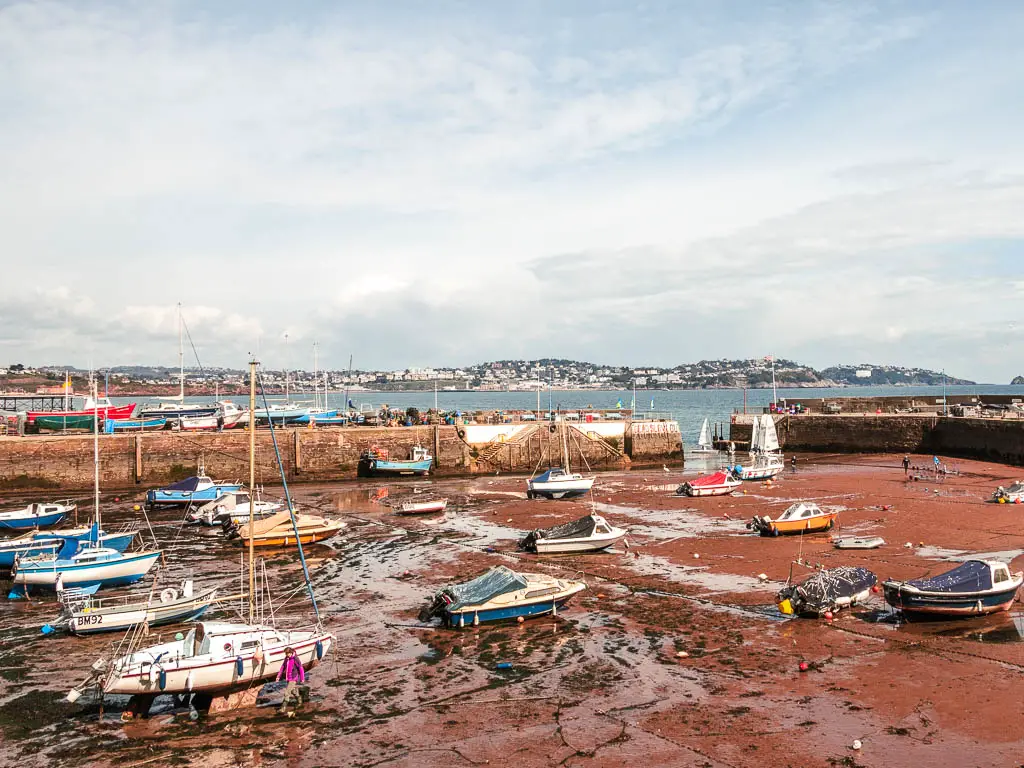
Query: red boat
[
  {"x": 715, "y": 484},
  {"x": 103, "y": 407}
]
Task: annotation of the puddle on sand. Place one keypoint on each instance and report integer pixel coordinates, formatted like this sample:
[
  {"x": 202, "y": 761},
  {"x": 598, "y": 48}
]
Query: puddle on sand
[
  {"x": 481, "y": 530},
  {"x": 667, "y": 524},
  {"x": 699, "y": 576},
  {"x": 959, "y": 555}
]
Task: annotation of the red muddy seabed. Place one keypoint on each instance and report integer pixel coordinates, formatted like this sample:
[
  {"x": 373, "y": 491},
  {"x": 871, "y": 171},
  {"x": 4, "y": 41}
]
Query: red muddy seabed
[{"x": 602, "y": 684}]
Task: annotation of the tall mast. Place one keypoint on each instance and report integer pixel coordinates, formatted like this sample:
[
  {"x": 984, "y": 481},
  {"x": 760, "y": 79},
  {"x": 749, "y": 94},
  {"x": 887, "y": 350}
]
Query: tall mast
[
  {"x": 252, "y": 489},
  {"x": 181, "y": 354},
  {"x": 286, "y": 368},
  {"x": 347, "y": 381},
  {"x": 316, "y": 380},
  {"x": 96, "y": 457}
]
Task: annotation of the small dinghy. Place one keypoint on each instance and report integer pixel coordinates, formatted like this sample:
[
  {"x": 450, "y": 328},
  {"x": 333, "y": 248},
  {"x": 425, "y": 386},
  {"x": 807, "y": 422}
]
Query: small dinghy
[
  {"x": 858, "y": 542},
  {"x": 84, "y": 615},
  {"x": 1012, "y": 495},
  {"x": 802, "y": 517},
  {"x": 973, "y": 588},
  {"x": 715, "y": 484},
  {"x": 419, "y": 506},
  {"x": 500, "y": 594},
  {"x": 830, "y": 589},
  {"x": 587, "y": 534}
]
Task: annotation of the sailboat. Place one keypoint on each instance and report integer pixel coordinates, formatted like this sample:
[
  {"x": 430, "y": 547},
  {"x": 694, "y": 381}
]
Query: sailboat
[
  {"x": 85, "y": 568},
  {"x": 765, "y": 459},
  {"x": 215, "y": 658},
  {"x": 174, "y": 406},
  {"x": 704, "y": 443},
  {"x": 559, "y": 482}
]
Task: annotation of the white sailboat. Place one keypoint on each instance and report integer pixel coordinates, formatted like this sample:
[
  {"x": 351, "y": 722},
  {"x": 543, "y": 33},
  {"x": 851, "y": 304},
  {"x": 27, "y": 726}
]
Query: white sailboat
[
  {"x": 704, "y": 442},
  {"x": 765, "y": 459},
  {"x": 214, "y": 658},
  {"x": 174, "y": 406}
]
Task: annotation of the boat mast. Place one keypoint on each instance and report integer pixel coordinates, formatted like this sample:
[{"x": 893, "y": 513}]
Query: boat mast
[
  {"x": 181, "y": 355},
  {"x": 348, "y": 381},
  {"x": 96, "y": 458},
  {"x": 316, "y": 382},
  {"x": 252, "y": 488},
  {"x": 285, "y": 370}
]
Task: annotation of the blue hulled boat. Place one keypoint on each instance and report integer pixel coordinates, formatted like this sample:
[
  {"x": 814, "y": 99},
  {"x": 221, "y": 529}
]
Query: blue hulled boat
[
  {"x": 500, "y": 594},
  {"x": 321, "y": 417},
  {"x": 50, "y": 542},
  {"x": 110, "y": 426},
  {"x": 973, "y": 588},
  {"x": 379, "y": 462},
  {"x": 35, "y": 516},
  {"x": 199, "y": 488}
]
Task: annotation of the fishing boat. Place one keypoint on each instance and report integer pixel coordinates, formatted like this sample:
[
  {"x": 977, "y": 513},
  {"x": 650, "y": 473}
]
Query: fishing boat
[
  {"x": 174, "y": 407},
  {"x": 59, "y": 422},
  {"x": 214, "y": 659},
  {"x": 559, "y": 482},
  {"x": 198, "y": 488},
  {"x": 91, "y": 408},
  {"x": 973, "y": 588},
  {"x": 280, "y": 530},
  {"x": 591, "y": 533},
  {"x": 86, "y": 615},
  {"x": 1012, "y": 495},
  {"x": 233, "y": 507},
  {"x": 800, "y": 518},
  {"x": 39, "y": 515},
  {"x": 704, "y": 442},
  {"x": 112, "y": 426},
  {"x": 715, "y": 484},
  {"x": 419, "y": 506},
  {"x": 826, "y": 590},
  {"x": 378, "y": 461},
  {"x": 765, "y": 461},
  {"x": 500, "y": 594},
  {"x": 858, "y": 542}
]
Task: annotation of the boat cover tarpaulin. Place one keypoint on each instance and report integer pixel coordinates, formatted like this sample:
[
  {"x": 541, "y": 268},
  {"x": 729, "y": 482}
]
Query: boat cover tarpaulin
[
  {"x": 822, "y": 589},
  {"x": 972, "y": 576},
  {"x": 715, "y": 479},
  {"x": 188, "y": 485},
  {"x": 496, "y": 581},
  {"x": 552, "y": 474},
  {"x": 577, "y": 529}
]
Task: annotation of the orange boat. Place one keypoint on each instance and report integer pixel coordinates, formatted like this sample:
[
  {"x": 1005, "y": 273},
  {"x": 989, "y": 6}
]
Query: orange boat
[
  {"x": 277, "y": 530},
  {"x": 802, "y": 517}
]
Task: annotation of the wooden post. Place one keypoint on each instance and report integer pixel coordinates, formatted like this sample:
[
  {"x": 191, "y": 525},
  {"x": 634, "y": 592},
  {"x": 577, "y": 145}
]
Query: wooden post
[
  {"x": 437, "y": 441},
  {"x": 298, "y": 450},
  {"x": 138, "y": 458}
]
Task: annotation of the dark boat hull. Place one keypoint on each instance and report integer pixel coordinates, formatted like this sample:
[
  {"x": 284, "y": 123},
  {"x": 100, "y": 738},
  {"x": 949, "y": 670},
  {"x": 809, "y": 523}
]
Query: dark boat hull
[{"x": 948, "y": 604}]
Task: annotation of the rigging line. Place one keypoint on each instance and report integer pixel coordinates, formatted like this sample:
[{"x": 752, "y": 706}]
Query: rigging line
[
  {"x": 288, "y": 499},
  {"x": 191, "y": 344}
]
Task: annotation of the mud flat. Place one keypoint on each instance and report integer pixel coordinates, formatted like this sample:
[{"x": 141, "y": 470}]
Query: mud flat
[{"x": 602, "y": 684}]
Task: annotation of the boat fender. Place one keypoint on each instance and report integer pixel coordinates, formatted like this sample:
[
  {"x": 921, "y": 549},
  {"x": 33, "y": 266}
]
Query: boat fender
[
  {"x": 168, "y": 595},
  {"x": 554, "y": 608},
  {"x": 190, "y": 680},
  {"x": 461, "y": 433},
  {"x": 552, "y": 429},
  {"x": 239, "y": 666},
  {"x": 162, "y": 679},
  {"x": 319, "y": 650},
  {"x": 462, "y": 621},
  {"x": 476, "y": 619}
]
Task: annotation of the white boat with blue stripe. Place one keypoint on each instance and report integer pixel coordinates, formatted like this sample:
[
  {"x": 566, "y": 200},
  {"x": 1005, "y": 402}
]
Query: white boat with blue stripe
[{"x": 35, "y": 516}]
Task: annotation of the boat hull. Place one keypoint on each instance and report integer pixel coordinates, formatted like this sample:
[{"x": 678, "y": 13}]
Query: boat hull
[
  {"x": 55, "y": 423},
  {"x": 395, "y": 467},
  {"x": 104, "y": 412},
  {"x": 91, "y": 622},
  {"x": 559, "y": 490},
  {"x": 288, "y": 539},
  {"x": 951, "y": 604},
  {"x": 760, "y": 473},
  {"x": 470, "y": 617},
  {"x": 697, "y": 491},
  {"x": 134, "y": 425},
  {"x": 797, "y": 527},
  {"x": 573, "y": 546},
  {"x": 31, "y": 521},
  {"x": 121, "y": 572},
  {"x": 160, "y": 496},
  {"x": 421, "y": 507},
  {"x": 29, "y": 548}
]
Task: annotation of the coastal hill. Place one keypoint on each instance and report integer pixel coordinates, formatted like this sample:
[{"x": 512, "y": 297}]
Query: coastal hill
[
  {"x": 1017, "y": 381},
  {"x": 500, "y": 375}
]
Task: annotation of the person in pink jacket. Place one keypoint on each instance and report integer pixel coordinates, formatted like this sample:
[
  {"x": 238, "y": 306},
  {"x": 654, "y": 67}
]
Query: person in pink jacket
[{"x": 292, "y": 671}]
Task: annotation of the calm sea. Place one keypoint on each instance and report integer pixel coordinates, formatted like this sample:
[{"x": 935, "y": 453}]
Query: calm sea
[{"x": 688, "y": 407}]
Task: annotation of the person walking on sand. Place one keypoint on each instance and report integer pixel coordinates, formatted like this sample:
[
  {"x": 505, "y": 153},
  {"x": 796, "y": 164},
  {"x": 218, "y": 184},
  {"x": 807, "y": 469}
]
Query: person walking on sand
[
  {"x": 292, "y": 671},
  {"x": 906, "y": 464}
]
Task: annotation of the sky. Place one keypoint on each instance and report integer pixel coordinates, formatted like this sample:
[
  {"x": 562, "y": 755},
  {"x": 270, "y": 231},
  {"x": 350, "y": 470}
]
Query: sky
[{"x": 444, "y": 183}]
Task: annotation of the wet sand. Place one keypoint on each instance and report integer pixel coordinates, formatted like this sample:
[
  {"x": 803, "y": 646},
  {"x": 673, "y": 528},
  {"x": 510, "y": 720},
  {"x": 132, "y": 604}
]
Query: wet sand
[{"x": 602, "y": 684}]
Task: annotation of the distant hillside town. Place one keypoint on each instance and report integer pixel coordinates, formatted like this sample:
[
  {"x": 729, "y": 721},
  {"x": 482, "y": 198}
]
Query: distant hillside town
[{"x": 498, "y": 376}]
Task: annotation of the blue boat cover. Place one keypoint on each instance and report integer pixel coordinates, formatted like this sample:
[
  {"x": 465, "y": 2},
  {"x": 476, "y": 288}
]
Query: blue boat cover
[
  {"x": 496, "y": 581},
  {"x": 188, "y": 485},
  {"x": 546, "y": 476},
  {"x": 972, "y": 576}
]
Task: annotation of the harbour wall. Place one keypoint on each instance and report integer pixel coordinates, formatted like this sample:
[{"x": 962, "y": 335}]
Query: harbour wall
[
  {"x": 315, "y": 455},
  {"x": 992, "y": 439}
]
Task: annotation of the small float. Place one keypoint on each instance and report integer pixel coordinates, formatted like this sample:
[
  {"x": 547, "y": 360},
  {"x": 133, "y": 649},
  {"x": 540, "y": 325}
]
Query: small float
[{"x": 858, "y": 542}]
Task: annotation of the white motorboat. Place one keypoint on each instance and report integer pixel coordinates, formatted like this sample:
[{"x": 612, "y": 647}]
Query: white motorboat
[
  {"x": 236, "y": 507},
  {"x": 587, "y": 534},
  {"x": 1012, "y": 495},
  {"x": 715, "y": 484},
  {"x": 500, "y": 594},
  {"x": 556, "y": 483}
]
